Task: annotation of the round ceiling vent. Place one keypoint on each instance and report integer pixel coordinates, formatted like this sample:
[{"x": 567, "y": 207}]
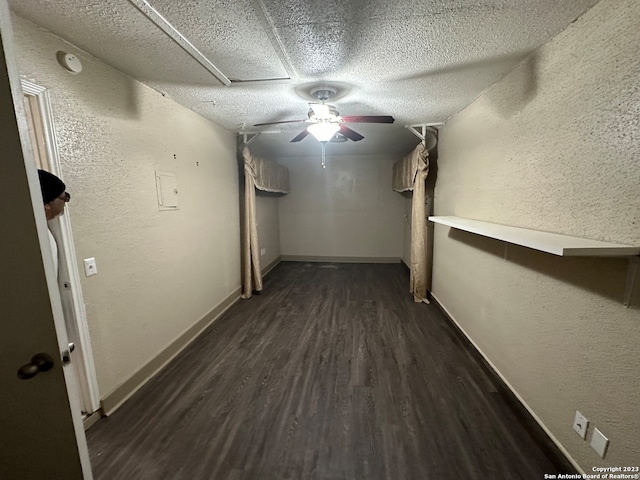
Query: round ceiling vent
[{"x": 335, "y": 90}]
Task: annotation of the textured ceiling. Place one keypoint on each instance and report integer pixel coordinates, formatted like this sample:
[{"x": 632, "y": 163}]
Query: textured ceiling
[{"x": 420, "y": 62}]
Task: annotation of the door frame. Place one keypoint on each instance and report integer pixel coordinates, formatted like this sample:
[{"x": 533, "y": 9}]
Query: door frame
[{"x": 69, "y": 279}]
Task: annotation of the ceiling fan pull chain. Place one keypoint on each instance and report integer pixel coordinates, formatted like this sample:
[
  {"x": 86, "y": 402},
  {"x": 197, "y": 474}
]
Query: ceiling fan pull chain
[{"x": 324, "y": 165}]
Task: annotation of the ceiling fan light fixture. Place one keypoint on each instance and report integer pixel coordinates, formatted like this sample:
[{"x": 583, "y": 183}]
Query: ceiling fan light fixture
[
  {"x": 322, "y": 111},
  {"x": 323, "y": 131}
]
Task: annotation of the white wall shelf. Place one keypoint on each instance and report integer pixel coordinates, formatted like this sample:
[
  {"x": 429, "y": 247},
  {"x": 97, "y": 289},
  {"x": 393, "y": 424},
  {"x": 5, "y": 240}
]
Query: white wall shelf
[{"x": 554, "y": 243}]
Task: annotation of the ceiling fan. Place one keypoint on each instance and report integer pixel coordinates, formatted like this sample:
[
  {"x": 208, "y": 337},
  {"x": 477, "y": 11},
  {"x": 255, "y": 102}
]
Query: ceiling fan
[{"x": 326, "y": 124}]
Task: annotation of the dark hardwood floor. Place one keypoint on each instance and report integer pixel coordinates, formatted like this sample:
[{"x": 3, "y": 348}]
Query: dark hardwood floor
[{"x": 333, "y": 372}]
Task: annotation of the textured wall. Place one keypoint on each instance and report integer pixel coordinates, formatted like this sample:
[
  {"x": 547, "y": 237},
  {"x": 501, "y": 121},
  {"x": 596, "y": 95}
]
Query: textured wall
[
  {"x": 346, "y": 210},
  {"x": 159, "y": 271},
  {"x": 554, "y": 146},
  {"x": 268, "y": 226}
]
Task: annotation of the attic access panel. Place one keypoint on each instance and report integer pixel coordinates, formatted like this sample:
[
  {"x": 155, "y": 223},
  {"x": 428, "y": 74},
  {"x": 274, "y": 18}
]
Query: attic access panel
[{"x": 225, "y": 32}]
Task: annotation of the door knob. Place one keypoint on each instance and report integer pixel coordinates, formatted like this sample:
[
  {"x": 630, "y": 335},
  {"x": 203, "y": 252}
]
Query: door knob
[{"x": 40, "y": 362}]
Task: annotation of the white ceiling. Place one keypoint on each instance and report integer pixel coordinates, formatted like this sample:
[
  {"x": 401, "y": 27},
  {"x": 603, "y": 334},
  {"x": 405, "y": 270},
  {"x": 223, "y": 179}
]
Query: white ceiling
[{"x": 420, "y": 62}]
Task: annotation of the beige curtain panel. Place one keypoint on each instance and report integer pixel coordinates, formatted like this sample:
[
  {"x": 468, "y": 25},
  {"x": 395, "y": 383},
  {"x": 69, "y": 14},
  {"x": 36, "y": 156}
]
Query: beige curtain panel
[
  {"x": 410, "y": 174},
  {"x": 269, "y": 177}
]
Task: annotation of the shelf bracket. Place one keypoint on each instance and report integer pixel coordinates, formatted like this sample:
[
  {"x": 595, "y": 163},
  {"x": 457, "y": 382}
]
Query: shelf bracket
[
  {"x": 249, "y": 137},
  {"x": 632, "y": 273},
  {"x": 425, "y": 127}
]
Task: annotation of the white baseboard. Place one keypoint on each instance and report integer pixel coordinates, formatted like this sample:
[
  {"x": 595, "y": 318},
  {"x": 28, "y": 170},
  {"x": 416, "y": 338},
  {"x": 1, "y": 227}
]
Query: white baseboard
[
  {"x": 123, "y": 392},
  {"x": 320, "y": 258},
  {"x": 271, "y": 266},
  {"x": 513, "y": 390}
]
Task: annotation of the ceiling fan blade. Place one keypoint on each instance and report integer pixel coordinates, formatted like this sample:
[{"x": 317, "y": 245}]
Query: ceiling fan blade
[
  {"x": 368, "y": 119},
  {"x": 350, "y": 134},
  {"x": 300, "y": 136},
  {"x": 277, "y": 123}
]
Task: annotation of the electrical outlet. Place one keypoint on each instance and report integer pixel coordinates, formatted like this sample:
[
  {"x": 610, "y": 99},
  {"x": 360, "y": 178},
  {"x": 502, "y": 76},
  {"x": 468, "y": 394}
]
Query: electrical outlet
[
  {"x": 580, "y": 424},
  {"x": 263, "y": 252},
  {"x": 599, "y": 442}
]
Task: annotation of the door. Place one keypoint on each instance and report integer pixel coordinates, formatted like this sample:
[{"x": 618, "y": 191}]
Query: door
[{"x": 42, "y": 434}]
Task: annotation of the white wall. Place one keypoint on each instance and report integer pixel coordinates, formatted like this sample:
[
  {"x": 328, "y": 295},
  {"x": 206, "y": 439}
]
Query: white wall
[
  {"x": 346, "y": 210},
  {"x": 267, "y": 216},
  {"x": 159, "y": 272},
  {"x": 554, "y": 146}
]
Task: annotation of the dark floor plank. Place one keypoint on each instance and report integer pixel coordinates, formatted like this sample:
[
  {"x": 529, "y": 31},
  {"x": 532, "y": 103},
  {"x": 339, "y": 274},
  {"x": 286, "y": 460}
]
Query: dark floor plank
[{"x": 333, "y": 373}]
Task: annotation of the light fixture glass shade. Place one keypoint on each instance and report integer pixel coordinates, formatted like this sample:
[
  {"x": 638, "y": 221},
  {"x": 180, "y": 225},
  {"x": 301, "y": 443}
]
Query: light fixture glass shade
[{"x": 323, "y": 131}]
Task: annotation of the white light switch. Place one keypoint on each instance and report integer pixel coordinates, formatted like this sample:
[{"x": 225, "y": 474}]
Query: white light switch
[
  {"x": 580, "y": 424},
  {"x": 599, "y": 442},
  {"x": 90, "y": 267}
]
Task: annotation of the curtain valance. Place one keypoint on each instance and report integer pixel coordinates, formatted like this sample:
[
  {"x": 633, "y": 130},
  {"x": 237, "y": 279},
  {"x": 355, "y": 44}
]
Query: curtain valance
[
  {"x": 269, "y": 176},
  {"x": 406, "y": 169}
]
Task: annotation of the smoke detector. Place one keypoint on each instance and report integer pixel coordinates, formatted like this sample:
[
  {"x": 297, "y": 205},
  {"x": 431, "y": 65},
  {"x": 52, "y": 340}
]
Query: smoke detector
[{"x": 69, "y": 62}]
